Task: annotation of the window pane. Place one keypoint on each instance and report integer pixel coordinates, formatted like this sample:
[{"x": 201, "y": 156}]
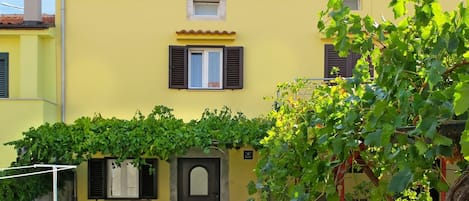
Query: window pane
[
  {"x": 206, "y": 9},
  {"x": 122, "y": 180},
  {"x": 214, "y": 69},
  {"x": 352, "y": 4},
  {"x": 132, "y": 180},
  {"x": 198, "y": 181},
  {"x": 196, "y": 70}
]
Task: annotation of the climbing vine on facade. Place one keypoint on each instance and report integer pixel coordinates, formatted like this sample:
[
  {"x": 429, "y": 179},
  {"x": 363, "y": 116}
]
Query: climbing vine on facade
[
  {"x": 158, "y": 135},
  {"x": 387, "y": 126}
]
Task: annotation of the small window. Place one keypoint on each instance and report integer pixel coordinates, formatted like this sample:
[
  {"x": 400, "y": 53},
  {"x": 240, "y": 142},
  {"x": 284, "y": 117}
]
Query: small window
[
  {"x": 3, "y": 75},
  {"x": 205, "y": 67},
  {"x": 352, "y": 4},
  {"x": 206, "y": 9},
  {"x": 108, "y": 180}
]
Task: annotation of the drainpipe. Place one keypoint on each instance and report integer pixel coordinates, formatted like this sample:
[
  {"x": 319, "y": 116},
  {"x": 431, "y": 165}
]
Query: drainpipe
[
  {"x": 62, "y": 85},
  {"x": 32, "y": 12},
  {"x": 62, "y": 59}
]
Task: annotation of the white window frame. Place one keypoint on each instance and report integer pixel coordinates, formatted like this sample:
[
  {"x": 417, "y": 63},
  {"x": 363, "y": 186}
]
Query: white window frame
[
  {"x": 205, "y": 64},
  {"x": 123, "y": 178},
  {"x": 221, "y": 12},
  {"x": 358, "y": 5}
]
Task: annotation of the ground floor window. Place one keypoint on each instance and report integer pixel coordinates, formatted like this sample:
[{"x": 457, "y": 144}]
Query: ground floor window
[{"x": 108, "y": 179}]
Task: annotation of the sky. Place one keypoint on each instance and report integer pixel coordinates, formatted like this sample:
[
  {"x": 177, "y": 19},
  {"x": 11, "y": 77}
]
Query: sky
[{"x": 48, "y": 6}]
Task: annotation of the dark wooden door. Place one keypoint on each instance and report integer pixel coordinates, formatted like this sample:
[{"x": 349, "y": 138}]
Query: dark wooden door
[{"x": 198, "y": 179}]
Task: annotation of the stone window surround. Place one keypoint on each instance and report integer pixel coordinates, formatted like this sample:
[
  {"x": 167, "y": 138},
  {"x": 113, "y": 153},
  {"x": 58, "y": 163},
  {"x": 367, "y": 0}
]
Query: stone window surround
[{"x": 221, "y": 12}]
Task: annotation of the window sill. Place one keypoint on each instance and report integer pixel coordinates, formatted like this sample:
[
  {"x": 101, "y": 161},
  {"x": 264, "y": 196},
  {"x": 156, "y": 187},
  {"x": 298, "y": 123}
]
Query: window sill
[{"x": 205, "y": 17}]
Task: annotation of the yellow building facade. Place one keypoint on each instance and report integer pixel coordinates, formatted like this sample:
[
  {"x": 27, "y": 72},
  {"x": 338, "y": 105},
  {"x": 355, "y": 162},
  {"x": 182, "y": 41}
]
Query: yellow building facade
[
  {"x": 28, "y": 79},
  {"x": 121, "y": 56}
]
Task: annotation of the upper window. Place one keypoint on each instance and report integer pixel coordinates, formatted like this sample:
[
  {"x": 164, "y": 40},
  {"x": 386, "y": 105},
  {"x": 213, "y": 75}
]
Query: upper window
[
  {"x": 345, "y": 65},
  {"x": 3, "y": 75},
  {"x": 109, "y": 180},
  {"x": 206, "y": 9},
  {"x": 205, "y": 67},
  {"x": 352, "y": 4}
]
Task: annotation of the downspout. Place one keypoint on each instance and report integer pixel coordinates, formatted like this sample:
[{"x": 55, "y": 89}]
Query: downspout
[
  {"x": 62, "y": 59},
  {"x": 62, "y": 84}
]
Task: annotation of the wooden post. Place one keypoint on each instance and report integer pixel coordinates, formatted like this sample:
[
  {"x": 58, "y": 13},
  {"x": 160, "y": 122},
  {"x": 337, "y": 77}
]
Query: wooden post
[{"x": 443, "y": 174}]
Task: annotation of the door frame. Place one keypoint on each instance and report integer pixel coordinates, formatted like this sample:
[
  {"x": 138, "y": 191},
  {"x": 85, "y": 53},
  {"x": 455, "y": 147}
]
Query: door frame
[{"x": 222, "y": 154}]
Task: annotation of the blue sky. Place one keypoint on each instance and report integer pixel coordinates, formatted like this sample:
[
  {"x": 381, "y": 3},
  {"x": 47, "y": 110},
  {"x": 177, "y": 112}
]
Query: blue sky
[{"x": 48, "y": 6}]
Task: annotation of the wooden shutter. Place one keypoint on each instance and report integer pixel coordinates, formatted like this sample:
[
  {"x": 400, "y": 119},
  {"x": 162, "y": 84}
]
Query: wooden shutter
[
  {"x": 148, "y": 180},
  {"x": 345, "y": 64},
  {"x": 97, "y": 179},
  {"x": 233, "y": 68},
  {"x": 332, "y": 59},
  {"x": 178, "y": 67},
  {"x": 3, "y": 75},
  {"x": 351, "y": 62}
]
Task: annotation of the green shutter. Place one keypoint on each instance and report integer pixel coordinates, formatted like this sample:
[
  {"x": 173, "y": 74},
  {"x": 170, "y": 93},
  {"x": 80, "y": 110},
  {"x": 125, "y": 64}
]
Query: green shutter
[
  {"x": 97, "y": 179},
  {"x": 233, "y": 67},
  {"x": 178, "y": 67},
  {"x": 149, "y": 180},
  {"x": 3, "y": 75}
]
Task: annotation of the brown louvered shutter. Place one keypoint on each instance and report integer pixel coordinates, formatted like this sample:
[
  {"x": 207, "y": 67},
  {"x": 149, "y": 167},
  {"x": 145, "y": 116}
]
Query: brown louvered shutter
[
  {"x": 332, "y": 59},
  {"x": 148, "y": 180},
  {"x": 3, "y": 75},
  {"x": 233, "y": 68},
  {"x": 351, "y": 62},
  {"x": 96, "y": 179},
  {"x": 178, "y": 67}
]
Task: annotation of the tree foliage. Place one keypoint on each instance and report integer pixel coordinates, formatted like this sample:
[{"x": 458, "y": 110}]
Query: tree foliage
[
  {"x": 388, "y": 125},
  {"x": 158, "y": 135}
]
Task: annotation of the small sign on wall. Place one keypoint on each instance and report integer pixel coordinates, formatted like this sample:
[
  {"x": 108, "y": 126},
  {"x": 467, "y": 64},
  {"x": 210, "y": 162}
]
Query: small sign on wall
[{"x": 248, "y": 155}]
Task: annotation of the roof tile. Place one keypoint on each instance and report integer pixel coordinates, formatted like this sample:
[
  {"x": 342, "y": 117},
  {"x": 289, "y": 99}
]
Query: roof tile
[
  {"x": 206, "y": 32},
  {"x": 17, "y": 19}
]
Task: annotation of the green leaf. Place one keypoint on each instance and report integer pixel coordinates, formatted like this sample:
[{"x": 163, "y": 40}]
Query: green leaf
[
  {"x": 421, "y": 147},
  {"x": 465, "y": 142},
  {"x": 400, "y": 181},
  {"x": 398, "y": 8},
  {"x": 435, "y": 73},
  {"x": 251, "y": 188},
  {"x": 438, "y": 15},
  {"x": 442, "y": 140},
  {"x": 466, "y": 55},
  {"x": 373, "y": 139},
  {"x": 387, "y": 132},
  {"x": 338, "y": 145},
  {"x": 461, "y": 98}
]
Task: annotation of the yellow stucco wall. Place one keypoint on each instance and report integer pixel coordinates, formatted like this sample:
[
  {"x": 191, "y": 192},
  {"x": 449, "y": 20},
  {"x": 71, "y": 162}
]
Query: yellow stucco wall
[
  {"x": 18, "y": 116},
  {"x": 32, "y": 85}
]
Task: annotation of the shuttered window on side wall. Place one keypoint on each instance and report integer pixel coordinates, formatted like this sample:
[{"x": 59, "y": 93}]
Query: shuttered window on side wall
[
  {"x": 344, "y": 64},
  {"x": 3, "y": 75}
]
